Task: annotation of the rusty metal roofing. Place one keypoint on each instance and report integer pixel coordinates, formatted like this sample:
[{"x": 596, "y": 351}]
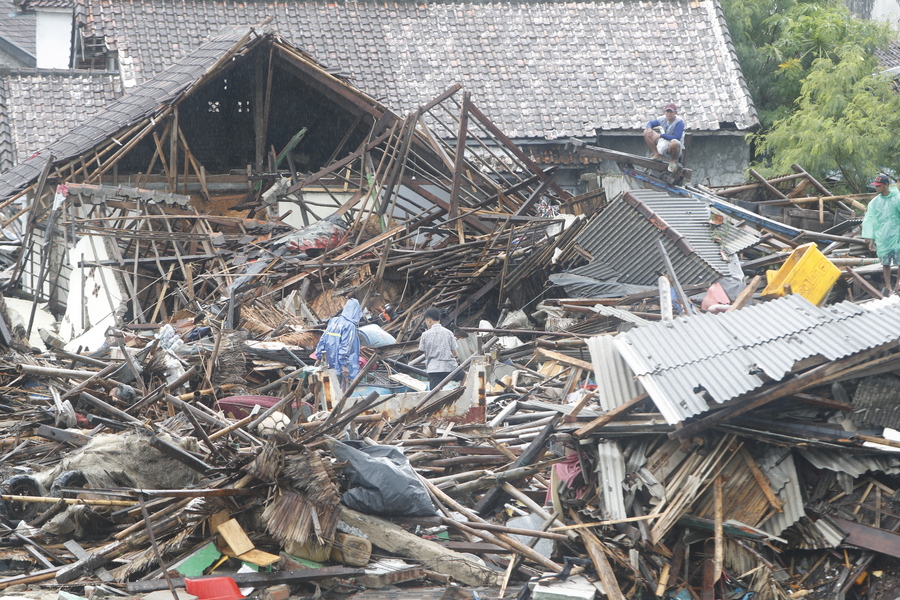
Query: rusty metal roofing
[{"x": 683, "y": 362}]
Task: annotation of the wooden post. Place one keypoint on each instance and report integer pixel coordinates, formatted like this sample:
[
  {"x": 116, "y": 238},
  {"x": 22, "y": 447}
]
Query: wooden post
[
  {"x": 173, "y": 151},
  {"x": 459, "y": 163}
]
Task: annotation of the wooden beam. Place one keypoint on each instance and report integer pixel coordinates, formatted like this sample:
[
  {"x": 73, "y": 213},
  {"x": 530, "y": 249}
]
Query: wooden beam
[
  {"x": 489, "y": 125},
  {"x": 609, "y": 416},
  {"x": 460, "y": 161},
  {"x": 566, "y": 360},
  {"x": 746, "y": 294}
]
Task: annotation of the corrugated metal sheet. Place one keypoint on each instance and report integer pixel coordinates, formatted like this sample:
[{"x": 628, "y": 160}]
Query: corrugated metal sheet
[
  {"x": 782, "y": 474},
  {"x": 807, "y": 534},
  {"x": 723, "y": 356},
  {"x": 735, "y": 238},
  {"x": 616, "y": 382},
  {"x": 623, "y": 239},
  {"x": 618, "y": 313},
  {"x": 832, "y": 534},
  {"x": 691, "y": 219},
  {"x": 875, "y": 402},
  {"x": 611, "y": 474},
  {"x": 852, "y": 464}
]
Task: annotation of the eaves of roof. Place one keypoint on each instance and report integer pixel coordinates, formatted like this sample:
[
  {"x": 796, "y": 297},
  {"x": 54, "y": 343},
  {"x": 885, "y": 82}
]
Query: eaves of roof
[
  {"x": 142, "y": 102},
  {"x": 683, "y": 362}
]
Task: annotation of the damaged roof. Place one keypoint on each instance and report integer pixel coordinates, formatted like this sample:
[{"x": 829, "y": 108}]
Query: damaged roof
[
  {"x": 138, "y": 104},
  {"x": 153, "y": 98},
  {"x": 681, "y": 362},
  {"x": 622, "y": 241},
  {"x": 540, "y": 69}
]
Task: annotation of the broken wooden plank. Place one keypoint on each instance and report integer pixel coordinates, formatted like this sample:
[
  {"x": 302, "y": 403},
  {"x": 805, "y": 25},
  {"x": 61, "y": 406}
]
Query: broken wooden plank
[{"x": 609, "y": 416}]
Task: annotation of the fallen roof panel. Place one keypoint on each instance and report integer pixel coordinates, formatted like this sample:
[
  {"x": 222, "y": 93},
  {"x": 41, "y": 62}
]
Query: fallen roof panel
[{"x": 730, "y": 354}]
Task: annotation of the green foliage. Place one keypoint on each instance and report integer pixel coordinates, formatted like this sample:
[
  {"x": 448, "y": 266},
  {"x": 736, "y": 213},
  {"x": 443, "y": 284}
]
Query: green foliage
[
  {"x": 777, "y": 42},
  {"x": 845, "y": 122},
  {"x": 814, "y": 80}
]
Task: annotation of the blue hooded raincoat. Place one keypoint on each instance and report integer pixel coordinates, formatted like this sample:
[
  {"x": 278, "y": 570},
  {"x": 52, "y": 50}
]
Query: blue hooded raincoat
[{"x": 340, "y": 342}]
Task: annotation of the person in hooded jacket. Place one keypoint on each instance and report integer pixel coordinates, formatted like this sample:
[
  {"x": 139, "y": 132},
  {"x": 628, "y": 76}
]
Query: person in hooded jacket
[{"x": 340, "y": 342}]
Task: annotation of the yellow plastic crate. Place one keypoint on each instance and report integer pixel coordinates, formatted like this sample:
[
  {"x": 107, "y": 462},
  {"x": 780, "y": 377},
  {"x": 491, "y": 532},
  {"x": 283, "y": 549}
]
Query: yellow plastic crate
[{"x": 807, "y": 272}]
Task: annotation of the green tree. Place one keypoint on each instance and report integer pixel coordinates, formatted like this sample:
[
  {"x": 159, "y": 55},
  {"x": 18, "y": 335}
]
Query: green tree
[
  {"x": 812, "y": 74},
  {"x": 777, "y": 42},
  {"x": 845, "y": 121}
]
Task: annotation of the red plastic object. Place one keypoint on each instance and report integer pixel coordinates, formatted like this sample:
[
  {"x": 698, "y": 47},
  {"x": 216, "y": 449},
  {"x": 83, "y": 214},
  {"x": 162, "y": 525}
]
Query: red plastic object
[{"x": 213, "y": 588}]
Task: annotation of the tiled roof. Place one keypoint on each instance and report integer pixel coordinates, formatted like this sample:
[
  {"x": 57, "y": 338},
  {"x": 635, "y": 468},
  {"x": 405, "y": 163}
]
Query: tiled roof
[
  {"x": 890, "y": 56},
  {"x": 17, "y": 28},
  {"x": 7, "y": 147},
  {"x": 40, "y": 106},
  {"x": 539, "y": 69},
  {"x": 137, "y": 104},
  {"x": 33, "y": 4}
]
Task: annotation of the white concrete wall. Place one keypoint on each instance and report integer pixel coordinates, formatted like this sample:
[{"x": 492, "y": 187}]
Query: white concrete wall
[
  {"x": 877, "y": 10},
  {"x": 54, "y": 35}
]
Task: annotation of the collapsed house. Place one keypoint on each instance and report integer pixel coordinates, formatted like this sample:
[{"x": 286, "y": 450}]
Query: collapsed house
[{"x": 189, "y": 247}]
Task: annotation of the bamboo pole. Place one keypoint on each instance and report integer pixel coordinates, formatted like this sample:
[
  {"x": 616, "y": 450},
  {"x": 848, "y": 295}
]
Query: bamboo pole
[{"x": 51, "y": 500}]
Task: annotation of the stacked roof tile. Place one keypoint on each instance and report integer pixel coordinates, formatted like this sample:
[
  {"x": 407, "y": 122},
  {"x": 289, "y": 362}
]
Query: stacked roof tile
[
  {"x": 540, "y": 69},
  {"x": 33, "y": 4},
  {"x": 41, "y": 106}
]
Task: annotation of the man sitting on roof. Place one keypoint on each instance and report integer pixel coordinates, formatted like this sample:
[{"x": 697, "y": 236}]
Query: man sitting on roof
[{"x": 670, "y": 143}]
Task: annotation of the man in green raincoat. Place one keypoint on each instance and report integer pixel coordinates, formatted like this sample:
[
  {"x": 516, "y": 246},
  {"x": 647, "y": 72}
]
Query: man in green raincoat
[{"x": 881, "y": 226}]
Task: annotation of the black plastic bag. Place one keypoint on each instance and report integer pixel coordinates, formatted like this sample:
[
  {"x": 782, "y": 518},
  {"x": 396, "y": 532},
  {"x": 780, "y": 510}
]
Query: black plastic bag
[{"x": 382, "y": 482}]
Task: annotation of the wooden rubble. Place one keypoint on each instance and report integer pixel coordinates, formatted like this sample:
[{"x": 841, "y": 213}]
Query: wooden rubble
[{"x": 428, "y": 223}]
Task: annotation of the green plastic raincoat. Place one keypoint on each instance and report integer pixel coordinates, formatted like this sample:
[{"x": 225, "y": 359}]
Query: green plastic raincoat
[{"x": 882, "y": 222}]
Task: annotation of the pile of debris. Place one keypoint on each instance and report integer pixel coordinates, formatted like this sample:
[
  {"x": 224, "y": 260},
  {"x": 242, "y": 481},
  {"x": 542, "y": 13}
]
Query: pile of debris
[{"x": 637, "y": 418}]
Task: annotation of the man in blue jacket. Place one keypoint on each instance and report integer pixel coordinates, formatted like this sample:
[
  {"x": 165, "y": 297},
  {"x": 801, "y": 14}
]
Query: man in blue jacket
[
  {"x": 670, "y": 143},
  {"x": 340, "y": 342}
]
